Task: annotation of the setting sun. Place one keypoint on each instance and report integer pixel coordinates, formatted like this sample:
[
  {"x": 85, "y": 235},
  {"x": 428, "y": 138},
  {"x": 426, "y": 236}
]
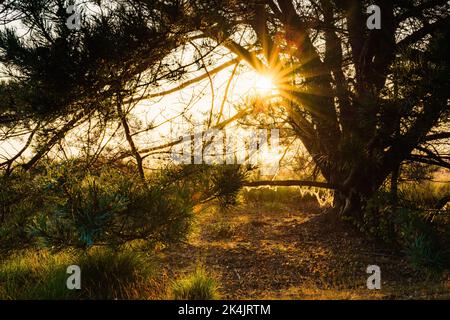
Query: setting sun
[
  {"x": 255, "y": 84},
  {"x": 264, "y": 84}
]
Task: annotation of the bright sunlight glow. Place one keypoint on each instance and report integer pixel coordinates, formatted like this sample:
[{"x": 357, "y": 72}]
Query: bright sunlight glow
[{"x": 264, "y": 84}]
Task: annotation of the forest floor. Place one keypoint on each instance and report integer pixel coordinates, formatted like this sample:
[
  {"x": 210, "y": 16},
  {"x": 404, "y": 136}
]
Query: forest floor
[{"x": 258, "y": 252}]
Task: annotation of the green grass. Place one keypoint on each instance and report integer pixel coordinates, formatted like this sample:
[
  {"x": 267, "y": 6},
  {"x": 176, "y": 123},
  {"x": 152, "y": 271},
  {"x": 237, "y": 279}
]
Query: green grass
[
  {"x": 196, "y": 286},
  {"x": 115, "y": 275},
  {"x": 37, "y": 275},
  {"x": 423, "y": 194},
  {"x": 105, "y": 274},
  {"x": 277, "y": 198}
]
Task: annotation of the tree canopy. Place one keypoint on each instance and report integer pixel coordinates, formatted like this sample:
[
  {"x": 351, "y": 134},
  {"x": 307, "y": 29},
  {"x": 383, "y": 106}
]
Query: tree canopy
[{"x": 361, "y": 101}]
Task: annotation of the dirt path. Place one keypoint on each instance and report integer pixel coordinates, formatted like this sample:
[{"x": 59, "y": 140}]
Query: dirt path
[{"x": 261, "y": 254}]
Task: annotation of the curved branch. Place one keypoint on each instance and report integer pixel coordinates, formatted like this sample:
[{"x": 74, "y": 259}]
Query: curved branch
[
  {"x": 421, "y": 33},
  {"x": 187, "y": 83},
  {"x": 291, "y": 183},
  {"x": 437, "y": 136}
]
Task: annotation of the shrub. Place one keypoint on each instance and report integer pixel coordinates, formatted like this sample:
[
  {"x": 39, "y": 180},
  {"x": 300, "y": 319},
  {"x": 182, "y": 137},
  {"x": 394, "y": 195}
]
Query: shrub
[
  {"x": 62, "y": 205},
  {"x": 197, "y": 286},
  {"x": 421, "y": 252},
  {"x": 220, "y": 183},
  {"x": 418, "y": 236},
  {"x": 19, "y": 198},
  {"x": 66, "y": 206},
  {"x": 422, "y": 232},
  {"x": 227, "y": 181}
]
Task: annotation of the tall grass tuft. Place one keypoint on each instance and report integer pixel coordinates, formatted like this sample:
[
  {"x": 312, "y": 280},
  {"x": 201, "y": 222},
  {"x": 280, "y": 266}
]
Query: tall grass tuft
[
  {"x": 197, "y": 286},
  {"x": 108, "y": 274}
]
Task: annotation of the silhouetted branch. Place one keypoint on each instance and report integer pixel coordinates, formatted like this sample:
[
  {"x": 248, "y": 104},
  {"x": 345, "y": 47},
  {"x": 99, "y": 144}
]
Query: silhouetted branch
[{"x": 291, "y": 183}]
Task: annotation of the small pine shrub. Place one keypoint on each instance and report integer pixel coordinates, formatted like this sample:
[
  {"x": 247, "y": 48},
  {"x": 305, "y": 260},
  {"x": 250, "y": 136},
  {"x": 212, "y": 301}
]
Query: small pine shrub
[
  {"x": 421, "y": 252},
  {"x": 410, "y": 225},
  {"x": 64, "y": 206},
  {"x": 197, "y": 286},
  {"x": 418, "y": 236},
  {"x": 227, "y": 181},
  {"x": 19, "y": 198}
]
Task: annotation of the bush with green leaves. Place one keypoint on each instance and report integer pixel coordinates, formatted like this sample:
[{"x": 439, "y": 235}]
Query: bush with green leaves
[{"x": 227, "y": 181}]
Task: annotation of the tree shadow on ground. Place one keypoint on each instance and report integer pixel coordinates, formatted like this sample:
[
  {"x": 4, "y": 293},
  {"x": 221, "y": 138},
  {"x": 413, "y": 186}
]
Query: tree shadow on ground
[{"x": 293, "y": 254}]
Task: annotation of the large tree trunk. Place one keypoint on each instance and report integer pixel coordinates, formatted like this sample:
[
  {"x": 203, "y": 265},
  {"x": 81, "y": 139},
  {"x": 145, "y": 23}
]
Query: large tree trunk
[
  {"x": 350, "y": 204},
  {"x": 351, "y": 197}
]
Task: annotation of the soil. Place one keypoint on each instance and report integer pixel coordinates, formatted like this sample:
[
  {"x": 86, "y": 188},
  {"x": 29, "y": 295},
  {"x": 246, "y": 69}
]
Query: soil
[{"x": 262, "y": 253}]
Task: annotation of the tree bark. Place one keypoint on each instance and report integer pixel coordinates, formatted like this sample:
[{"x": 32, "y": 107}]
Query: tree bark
[{"x": 137, "y": 156}]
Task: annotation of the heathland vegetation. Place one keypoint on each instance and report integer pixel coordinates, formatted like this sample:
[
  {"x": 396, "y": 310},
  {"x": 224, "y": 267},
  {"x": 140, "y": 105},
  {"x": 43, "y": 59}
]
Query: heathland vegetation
[{"x": 91, "y": 99}]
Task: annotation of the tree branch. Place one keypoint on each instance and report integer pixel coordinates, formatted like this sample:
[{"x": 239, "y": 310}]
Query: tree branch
[{"x": 290, "y": 183}]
